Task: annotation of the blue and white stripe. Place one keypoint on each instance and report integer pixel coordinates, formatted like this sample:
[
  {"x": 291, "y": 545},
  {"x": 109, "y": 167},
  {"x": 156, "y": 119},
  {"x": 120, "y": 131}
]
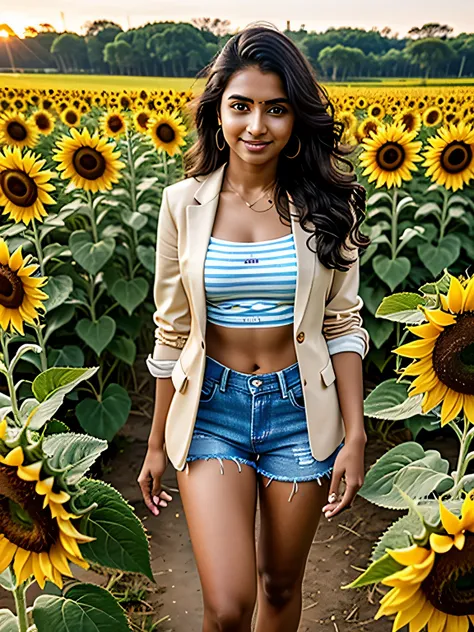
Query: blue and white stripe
[{"x": 251, "y": 284}]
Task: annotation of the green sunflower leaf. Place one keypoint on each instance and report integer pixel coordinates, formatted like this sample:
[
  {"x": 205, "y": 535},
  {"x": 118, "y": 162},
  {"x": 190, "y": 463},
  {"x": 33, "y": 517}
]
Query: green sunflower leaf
[
  {"x": 91, "y": 256},
  {"x": 377, "y": 571},
  {"x": 74, "y": 452},
  {"x": 84, "y": 607},
  {"x": 8, "y": 621},
  {"x": 121, "y": 542},
  {"x": 105, "y": 418}
]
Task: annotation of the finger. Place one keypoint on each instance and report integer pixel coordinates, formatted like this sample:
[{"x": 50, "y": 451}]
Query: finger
[
  {"x": 165, "y": 495},
  {"x": 145, "y": 488},
  {"x": 345, "y": 502}
]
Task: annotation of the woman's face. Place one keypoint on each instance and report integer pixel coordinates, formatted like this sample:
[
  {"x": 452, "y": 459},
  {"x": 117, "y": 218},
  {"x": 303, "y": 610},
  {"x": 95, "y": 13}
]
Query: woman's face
[{"x": 245, "y": 117}]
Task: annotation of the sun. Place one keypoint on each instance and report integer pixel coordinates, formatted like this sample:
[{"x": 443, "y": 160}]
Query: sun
[{"x": 4, "y": 34}]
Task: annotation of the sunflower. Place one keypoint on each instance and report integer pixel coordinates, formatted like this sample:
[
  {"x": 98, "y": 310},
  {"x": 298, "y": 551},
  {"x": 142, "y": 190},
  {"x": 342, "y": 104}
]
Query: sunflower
[
  {"x": 167, "y": 132},
  {"x": 71, "y": 116},
  {"x": 113, "y": 124},
  {"x": 432, "y": 116},
  {"x": 140, "y": 120},
  {"x": 450, "y": 159},
  {"x": 435, "y": 587},
  {"x": 369, "y": 124},
  {"x": 44, "y": 122},
  {"x": 361, "y": 103},
  {"x": 444, "y": 366},
  {"x": 24, "y": 185},
  {"x": 89, "y": 161},
  {"x": 20, "y": 296},
  {"x": 16, "y": 130},
  {"x": 36, "y": 532},
  {"x": 376, "y": 110},
  {"x": 389, "y": 155},
  {"x": 411, "y": 119}
]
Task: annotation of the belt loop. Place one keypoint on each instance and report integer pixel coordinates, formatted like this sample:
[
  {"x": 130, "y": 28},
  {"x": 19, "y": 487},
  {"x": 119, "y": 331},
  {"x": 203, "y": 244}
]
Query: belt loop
[
  {"x": 282, "y": 381},
  {"x": 223, "y": 380}
]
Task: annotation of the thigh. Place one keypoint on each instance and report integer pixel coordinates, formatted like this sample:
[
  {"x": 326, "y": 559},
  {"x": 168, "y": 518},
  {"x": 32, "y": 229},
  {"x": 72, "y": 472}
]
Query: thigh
[
  {"x": 287, "y": 528},
  {"x": 220, "y": 512}
]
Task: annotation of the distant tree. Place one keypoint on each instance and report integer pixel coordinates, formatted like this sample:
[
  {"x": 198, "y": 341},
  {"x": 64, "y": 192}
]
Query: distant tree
[
  {"x": 97, "y": 26},
  {"x": 70, "y": 51},
  {"x": 429, "y": 53},
  {"x": 335, "y": 57},
  {"x": 212, "y": 25},
  {"x": 432, "y": 29},
  {"x": 45, "y": 27},
  {"x": 30, "y": 31}
]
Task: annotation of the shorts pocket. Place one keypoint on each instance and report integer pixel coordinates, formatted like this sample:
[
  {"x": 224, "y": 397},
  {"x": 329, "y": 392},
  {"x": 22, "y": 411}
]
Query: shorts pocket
[
  {"x": 208, "y": 389},
  {"x": 295, "y": 395}
]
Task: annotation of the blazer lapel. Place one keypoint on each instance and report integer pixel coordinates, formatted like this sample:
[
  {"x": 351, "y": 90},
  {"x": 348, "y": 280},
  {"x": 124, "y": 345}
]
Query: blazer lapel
[{"x": 199, "y": 223}]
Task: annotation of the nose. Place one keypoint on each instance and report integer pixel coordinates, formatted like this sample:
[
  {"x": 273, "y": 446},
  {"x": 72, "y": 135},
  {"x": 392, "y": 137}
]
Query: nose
[{"x": 256, "y": 125}]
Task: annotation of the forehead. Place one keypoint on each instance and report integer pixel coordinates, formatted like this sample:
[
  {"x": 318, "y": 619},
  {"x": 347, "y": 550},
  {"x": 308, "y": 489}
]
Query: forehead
[{"x": 254, "y": 83}]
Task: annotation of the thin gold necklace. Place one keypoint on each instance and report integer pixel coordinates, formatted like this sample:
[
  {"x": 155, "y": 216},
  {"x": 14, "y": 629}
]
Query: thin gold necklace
[{"x": 253, "y": 204}]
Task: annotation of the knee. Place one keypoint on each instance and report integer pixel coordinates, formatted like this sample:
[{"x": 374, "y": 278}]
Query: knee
[
  {"x": 230, "y": 615},
  {"x": 279, "y": 589}
]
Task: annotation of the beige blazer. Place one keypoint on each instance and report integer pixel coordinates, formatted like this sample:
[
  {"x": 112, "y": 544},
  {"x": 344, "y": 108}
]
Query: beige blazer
[{"x": 327, "y": 305}]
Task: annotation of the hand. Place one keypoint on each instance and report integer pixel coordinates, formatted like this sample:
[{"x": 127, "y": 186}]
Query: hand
[
  {"x": 149, "y": 480},
  {"x": 348, "y": 469}
]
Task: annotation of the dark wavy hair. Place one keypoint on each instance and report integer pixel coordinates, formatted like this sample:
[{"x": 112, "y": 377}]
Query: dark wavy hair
[{"x": 320, "y": 180}]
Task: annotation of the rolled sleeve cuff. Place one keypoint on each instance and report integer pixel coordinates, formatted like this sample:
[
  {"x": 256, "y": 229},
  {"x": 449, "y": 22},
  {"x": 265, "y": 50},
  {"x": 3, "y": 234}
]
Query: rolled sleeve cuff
[
  {"x": 349, "y": 342},
  {"x": 160, "y": 368}
]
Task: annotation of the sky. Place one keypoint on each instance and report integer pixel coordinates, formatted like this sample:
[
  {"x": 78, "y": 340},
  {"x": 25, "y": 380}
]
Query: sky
[{"x": 315, "y": 15}]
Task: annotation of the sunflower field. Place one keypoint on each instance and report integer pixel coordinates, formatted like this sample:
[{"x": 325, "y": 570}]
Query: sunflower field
[{"x": 81, "y": 177}]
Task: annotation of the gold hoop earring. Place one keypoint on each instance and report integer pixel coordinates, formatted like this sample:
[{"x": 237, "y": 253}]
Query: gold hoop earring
[
  {"x": 299, "y": 149},
  {"x": 217, "y": 140}
]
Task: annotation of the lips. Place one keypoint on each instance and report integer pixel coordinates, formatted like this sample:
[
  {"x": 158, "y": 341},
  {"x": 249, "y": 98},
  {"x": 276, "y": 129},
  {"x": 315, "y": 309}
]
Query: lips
[{"x": 249, "y": 142}]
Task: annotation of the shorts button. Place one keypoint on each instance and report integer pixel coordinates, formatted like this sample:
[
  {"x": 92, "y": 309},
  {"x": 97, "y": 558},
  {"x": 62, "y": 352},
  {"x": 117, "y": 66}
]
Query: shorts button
[
  {"x": 300, "y": 336},
  {"x": 256, "y": 382}
]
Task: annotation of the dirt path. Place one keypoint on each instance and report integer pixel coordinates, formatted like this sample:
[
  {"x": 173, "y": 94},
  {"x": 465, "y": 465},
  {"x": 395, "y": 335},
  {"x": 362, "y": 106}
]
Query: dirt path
[{"x": 339, "y": 548}]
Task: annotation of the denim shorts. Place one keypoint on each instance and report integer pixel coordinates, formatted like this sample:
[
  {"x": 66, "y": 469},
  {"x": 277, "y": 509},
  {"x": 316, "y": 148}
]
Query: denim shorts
[{"x": 258, "y": 420}]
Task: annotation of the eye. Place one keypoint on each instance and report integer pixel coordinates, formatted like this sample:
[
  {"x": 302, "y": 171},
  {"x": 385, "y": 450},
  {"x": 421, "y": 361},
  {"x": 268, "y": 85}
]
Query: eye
[{"x": 278, "y": 107}]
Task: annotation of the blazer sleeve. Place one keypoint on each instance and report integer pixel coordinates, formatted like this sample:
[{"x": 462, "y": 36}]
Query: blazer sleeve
[
  {"x": 343, "y": 305},
  {"x": 172, "y": 316}
]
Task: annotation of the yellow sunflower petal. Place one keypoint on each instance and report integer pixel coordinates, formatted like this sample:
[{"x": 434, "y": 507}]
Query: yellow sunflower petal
[
  {"x": 30, "y": 472},
  {"x": 421, "y": 619},
  {"x": 405, "y": 616},
  {"x": 457, "y": 624},
  {"x": 416, "y": 349},
  {"x": 410, "y": 555},
  {"x": 451, "y": 407},
  {"x": 70, "y": 530},
  {"x": 38, "y": 571},
  {"x": 21, "y": 558},
  {"x": 441, "y": 543},
  {"x": 455, "y": 295},
  {"x": 438, "y": 317},
  {"x": 7, "y": 553},
  {"x": 437, "y": 621},
  {"x": 15, "y": 457}
]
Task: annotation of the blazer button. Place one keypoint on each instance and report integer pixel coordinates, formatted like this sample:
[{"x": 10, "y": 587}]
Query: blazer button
[
  {"x": 304, "y": 382},
  {"x": 202, "y": 344},
  {"x": 300, "y": 336}
]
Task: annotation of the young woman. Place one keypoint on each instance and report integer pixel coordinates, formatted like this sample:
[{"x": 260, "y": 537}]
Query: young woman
[{"x": 259, "y": 329}]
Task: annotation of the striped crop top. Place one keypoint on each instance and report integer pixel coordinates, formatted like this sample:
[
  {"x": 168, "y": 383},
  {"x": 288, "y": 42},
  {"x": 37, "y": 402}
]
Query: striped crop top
[{"x": 251, "y": 284}]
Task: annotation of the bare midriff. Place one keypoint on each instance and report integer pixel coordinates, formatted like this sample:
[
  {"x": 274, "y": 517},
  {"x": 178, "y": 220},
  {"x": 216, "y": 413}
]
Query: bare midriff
[{"x": 249, "y": 349}]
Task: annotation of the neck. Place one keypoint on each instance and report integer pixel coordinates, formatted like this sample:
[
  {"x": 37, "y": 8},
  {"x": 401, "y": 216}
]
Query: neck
[{"x": 249, "y": 180}]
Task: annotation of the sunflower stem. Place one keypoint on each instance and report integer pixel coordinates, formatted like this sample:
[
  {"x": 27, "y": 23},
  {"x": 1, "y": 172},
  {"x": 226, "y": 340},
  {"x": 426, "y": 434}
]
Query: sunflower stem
[
  {"x": 394, "y": 224},
  {"x": 9, "y": 376},
  {"x": 44, "y": 361},
  {"x": 90, "y": 201},
  {"x": 443, "y": 221},
  {"x": 39, "y": 250},
  {"x": 461, "y": 464},
  {"x": 20, "y": 604}
]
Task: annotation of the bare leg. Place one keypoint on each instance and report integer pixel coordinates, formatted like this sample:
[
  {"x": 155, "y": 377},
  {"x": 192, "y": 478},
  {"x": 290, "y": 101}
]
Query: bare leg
[
  {"x": 220, "y": 512},
  {"x": 286, "y": 533}
]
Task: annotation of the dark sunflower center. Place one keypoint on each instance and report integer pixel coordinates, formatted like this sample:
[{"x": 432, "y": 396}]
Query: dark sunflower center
[
  {"x": 89, "y": 163},
  {"x": 450, "y": 585},
  {"x": 115, "y": 124},
  {"x": 125, "y": 103},
  {"x": 432, "y": 117},
  {"x": 370, "y": 127},
  {"x": 22, "y": 518},
  {"x": 165, "y": 133},
  {"x": 376, "y": 111},
  {"x": 409, "y": 121},
  {"x": 456, "y": 157},
  {"x": 390, "y": 156},
  {"x": 11, "y": 289},
  {"x": 42, "y": 122},
  {"x": 17, "y": 131},
  {"x": 18, "y": 187},
  {"x": 71, "y": 117},
  {"x": 142, "y": 119},
  {"x": 453, "y": 355}
]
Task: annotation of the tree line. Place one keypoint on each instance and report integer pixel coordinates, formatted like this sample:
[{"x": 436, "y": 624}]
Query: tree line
[{"x": 181, "y": 49}]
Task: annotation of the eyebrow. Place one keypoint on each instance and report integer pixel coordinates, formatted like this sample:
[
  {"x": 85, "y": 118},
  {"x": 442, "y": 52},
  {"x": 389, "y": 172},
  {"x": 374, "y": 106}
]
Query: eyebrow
[{"x": 269, "y": 102}]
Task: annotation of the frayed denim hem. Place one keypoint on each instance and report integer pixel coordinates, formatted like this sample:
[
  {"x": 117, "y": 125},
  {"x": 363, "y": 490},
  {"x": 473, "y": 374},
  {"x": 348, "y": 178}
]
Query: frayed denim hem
[
  {"x": 295, "y": 480},
  {"x": 237, "y": 459}
]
